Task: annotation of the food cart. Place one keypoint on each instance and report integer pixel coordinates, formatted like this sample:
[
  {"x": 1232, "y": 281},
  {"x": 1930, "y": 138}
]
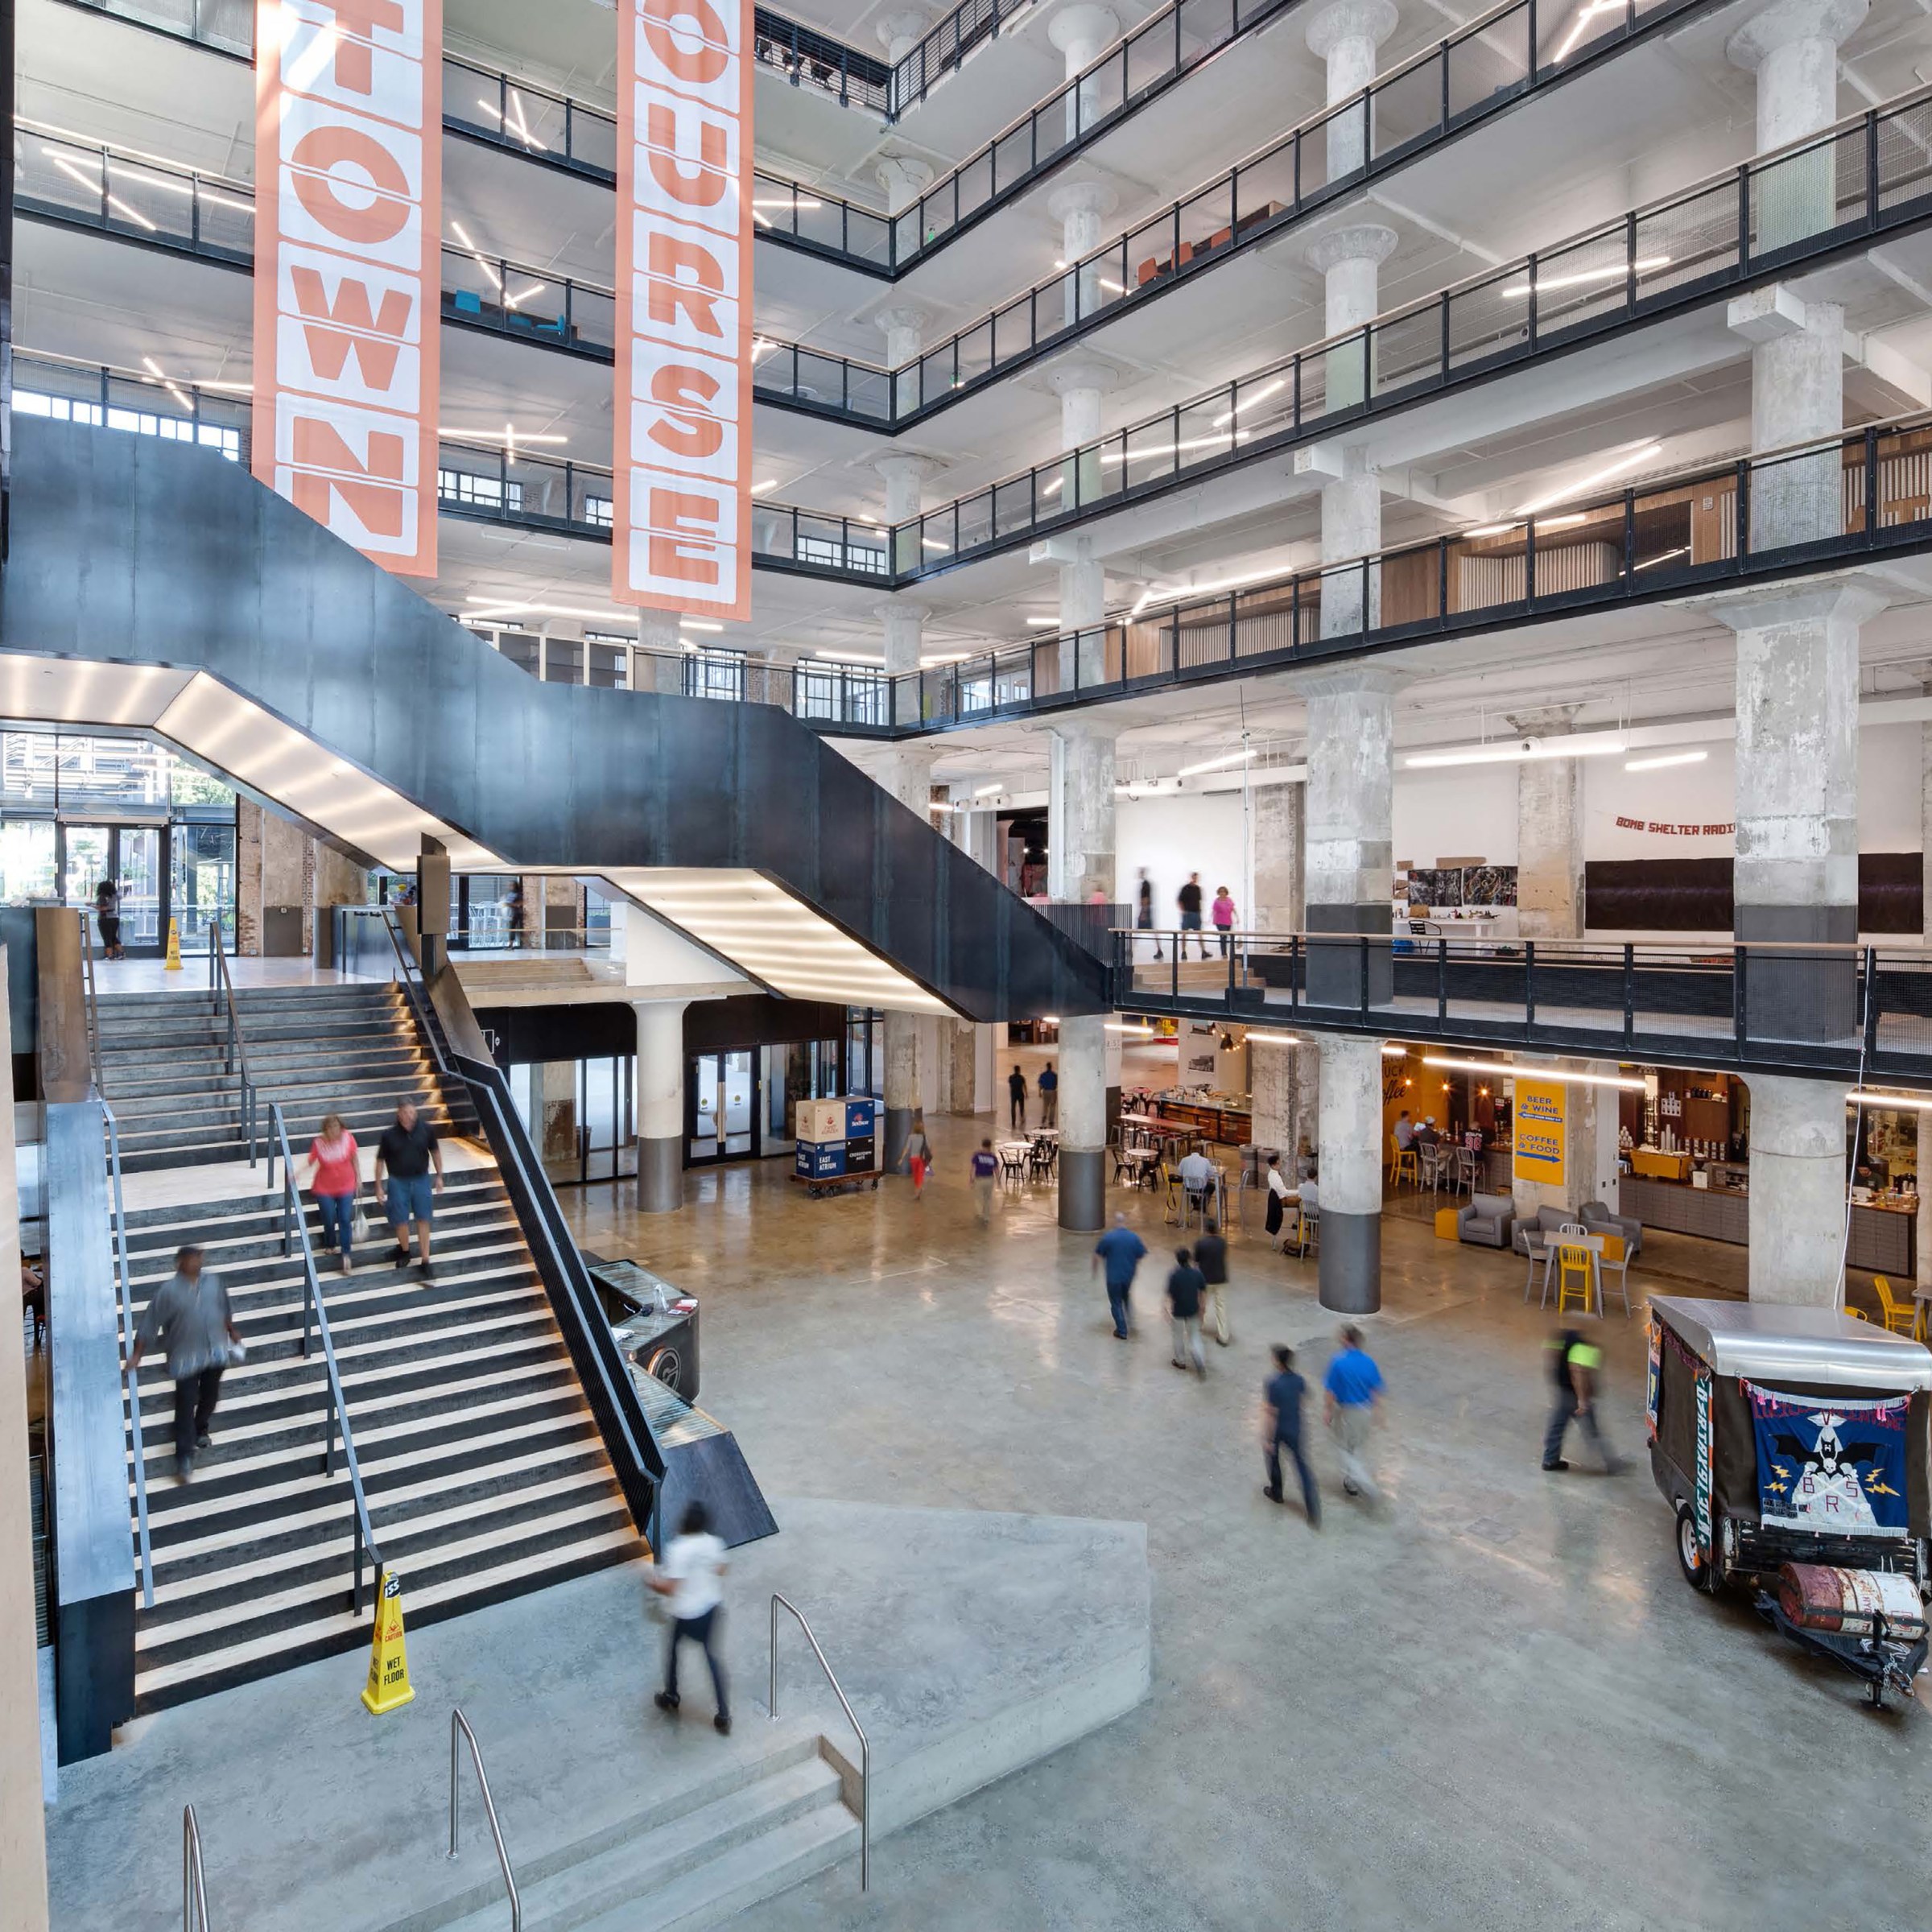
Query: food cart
[{"x": 1793, "y": 1444}]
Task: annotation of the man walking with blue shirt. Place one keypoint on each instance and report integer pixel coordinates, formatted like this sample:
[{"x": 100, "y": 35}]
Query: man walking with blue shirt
[
  {"x": 1352, "y": 1388},
  {"x": 1119, "y": 1251}
]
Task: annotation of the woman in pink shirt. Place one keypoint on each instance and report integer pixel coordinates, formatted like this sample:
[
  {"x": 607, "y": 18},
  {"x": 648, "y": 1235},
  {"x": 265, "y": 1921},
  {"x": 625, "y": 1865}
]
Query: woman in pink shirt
[{"x": 336, "y": 1179}]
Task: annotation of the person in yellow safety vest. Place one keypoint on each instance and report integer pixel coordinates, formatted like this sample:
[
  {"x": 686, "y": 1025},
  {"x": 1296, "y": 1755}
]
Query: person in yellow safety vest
[{"x": 1577, "y": 1368}]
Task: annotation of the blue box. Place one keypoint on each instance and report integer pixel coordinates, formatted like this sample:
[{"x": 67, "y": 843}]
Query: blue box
[
  {"x": 819, "y": 1161},
  {"x": 859, "y": 1117}
]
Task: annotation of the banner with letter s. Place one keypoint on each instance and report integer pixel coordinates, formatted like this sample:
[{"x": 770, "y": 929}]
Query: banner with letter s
[
  {"x": 682, "y": 433},
  {"x": 348, "y": 136}
]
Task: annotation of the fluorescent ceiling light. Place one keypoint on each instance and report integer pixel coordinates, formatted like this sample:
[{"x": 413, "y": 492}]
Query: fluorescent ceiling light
[
  {"x": 1522, "y": 1071},
  {"x": 1585, "y": 747},
  {"x": 1674, "y": 757},
  {"x": 1630, "y": 459},
  {"x": 1232, "y": 758},
  {"x": 1584, "y": 277}
]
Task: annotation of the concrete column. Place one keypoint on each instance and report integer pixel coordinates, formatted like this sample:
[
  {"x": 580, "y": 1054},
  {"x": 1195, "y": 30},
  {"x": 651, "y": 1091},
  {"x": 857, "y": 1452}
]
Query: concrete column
[
  {"x": 1083, "y": 1069},
  {"x": 1549, "y": 833},
  {"x": 1349, "y": 880},
  {"x": 663, "y": 668},
  {"x": 899, "y": 33},
  {"x": 1079, "y": 813},
  {"x": 1797, "y": 1190},
  {"x": 903, "y": 178},
  {"x": 1081, "y": 209},
  {"x": 1082, "y": 34},
  {"x": 904, "y": 329},
  {"x": 660, "y": 1105},
  {"x": 1792, "y": 47},
  {"x": 1796, "y": 871},
  {"x": 1351, "y": 1154},
  {"x": 1281, "y": 828},
  {"x": 1347, "y": 35}
]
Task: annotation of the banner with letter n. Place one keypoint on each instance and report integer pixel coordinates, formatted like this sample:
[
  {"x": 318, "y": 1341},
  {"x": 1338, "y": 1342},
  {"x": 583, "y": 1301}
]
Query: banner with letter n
[
  {"x": 1834, "y": 1467},
  {"x": 682, "y": 508},
  {"x": 348, "y": 140}
]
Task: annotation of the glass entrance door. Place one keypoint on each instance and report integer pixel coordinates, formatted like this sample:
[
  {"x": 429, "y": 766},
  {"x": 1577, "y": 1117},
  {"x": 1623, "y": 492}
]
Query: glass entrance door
[
  {"x": 720, "y": 1106},
  {"x": 133, "y": 857}
]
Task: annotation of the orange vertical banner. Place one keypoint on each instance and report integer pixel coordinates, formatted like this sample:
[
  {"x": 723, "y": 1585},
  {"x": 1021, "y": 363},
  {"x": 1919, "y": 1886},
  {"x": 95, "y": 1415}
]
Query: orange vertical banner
[
  {"x": 348, "y": 173},
  {"x": 682, "y": 427}
]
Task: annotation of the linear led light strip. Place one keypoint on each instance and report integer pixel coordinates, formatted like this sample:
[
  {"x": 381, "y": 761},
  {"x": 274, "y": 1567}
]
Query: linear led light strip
[{"x": 1521, "y": 1071}]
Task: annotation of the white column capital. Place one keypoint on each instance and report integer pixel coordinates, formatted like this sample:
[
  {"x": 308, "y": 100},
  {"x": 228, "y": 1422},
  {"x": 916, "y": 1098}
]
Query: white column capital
[
  {"x": 1080, "y": 32},
  {"x": 1365, "y": 242},
  {"x": 1785, "y": 22},
  {"x": 1370, "y": 20},
  {"x": 1081, "y": 198}
]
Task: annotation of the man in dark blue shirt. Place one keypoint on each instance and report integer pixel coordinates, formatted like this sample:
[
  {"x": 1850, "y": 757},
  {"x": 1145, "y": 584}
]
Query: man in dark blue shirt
[
  {"x": 1118, "y": 1250},
  {"x": 1281, "y": 1429}
]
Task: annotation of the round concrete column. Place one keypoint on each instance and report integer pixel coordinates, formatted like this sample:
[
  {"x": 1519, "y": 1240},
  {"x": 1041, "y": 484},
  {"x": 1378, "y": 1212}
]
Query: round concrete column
[
  {"x": 899, "y": 33},
  {"x": 1349, "y": 1279},
  {"x": 1082, "y": 34},
  {"x": 1797, "y": 1190},
  {"x": 1346, "y": 35},
  {"x": 1083, "y": 1070},
  {"x": 660, "y": 1105}
]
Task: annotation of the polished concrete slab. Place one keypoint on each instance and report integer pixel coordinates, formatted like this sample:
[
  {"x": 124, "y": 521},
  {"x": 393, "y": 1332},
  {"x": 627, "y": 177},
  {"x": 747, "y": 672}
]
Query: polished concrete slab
[
  {"x": 1494, "y": 1703},
  {"x": 969, "y": 1644}
]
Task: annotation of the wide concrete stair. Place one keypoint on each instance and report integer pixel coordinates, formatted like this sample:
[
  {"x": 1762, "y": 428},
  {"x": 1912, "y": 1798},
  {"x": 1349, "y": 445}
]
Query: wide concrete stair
[
  {"x": 349, "y": 1049},
  {"x": 701, "y": 1851},
  {"x": 484, "y": 1470}
]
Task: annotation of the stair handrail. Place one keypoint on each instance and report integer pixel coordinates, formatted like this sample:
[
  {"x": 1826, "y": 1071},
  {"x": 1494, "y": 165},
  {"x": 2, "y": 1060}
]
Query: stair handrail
[
  {"x": 771, "y": 1700},
  {"x": 294, "y": 1223},
  {"x": 130, "y": 1376},
  {"x": 194, "y": 1882},
  {"x": 90, "y": 1006},
  {"x": 459, "y": 1731},
  {"x": 220, "y": 980}
]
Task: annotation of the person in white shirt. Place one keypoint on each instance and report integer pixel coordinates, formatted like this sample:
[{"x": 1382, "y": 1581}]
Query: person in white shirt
[{"x": 691, "y": 1574}]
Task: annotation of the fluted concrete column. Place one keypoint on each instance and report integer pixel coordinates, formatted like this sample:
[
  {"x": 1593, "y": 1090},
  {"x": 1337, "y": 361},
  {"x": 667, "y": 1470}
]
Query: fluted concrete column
[
  {"x": 904, "y": 328},
  {"x": 1795, "y": 876},
  {"x": 1082, "y": 34},
  {"x": 1792, "y": 47},
  {"x": 1797, "y": 1190},
  {"x": 1081, "y": 208},
  {"x": 1079, "y": 813},
  {"x": 900, "y": 32},
  {"x": 1350, "y": 1151},
  {"x": 660, "y": 1105},
  {"x": 1346, "y": 35},
  {"x": 1349, "y": 879},
  {"x": 1548, "y": 832}
]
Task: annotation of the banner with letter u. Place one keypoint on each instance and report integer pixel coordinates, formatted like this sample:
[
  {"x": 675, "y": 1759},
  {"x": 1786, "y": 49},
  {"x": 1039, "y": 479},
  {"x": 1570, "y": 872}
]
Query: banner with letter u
[
  {"x": 682, "y": 431},
  {"x": 349, "y": 134}
]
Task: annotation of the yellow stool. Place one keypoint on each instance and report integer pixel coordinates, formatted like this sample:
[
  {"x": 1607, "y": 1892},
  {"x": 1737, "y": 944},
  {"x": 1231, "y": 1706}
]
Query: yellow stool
[
  {"x": 1447, "y": 1224},
  {"x": 1573, "y": 1276}
]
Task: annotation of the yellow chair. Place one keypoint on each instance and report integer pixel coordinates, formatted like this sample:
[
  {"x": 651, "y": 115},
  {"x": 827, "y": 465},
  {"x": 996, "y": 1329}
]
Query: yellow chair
[
  {"x": 1901, "y": 1318},
  {"x": 1574, "y": 1276},
  {"x": 1402, "y": 1161}
]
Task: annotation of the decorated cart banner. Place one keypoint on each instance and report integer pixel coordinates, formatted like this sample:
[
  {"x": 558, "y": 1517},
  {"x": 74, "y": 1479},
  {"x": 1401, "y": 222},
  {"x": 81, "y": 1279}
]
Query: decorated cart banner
[{"x": 1835, "y": 1467}]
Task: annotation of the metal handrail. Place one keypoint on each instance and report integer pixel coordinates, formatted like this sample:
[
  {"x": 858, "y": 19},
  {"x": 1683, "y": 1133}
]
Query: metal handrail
[
  {"x": 459, "y": 1728},
  {"x": 131, "y": 1377},
  {"x": 220, "y": 980},
  {"x": 771, "y": 1699},
  {"x": 315, "y": 1313},
  {"x": 194, "y": 1883}
]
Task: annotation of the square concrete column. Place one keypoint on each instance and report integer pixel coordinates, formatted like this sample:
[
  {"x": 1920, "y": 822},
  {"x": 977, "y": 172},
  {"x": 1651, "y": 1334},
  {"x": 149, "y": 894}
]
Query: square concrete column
[
  {"x": 1349, "y": 879},
  {"x": 660, "y": 1105},
  {"x": 1797, "y": 1191},
  {"x": 1795, "y": 876},
  {"x": 1350, "y": 1151},
  {"x": 1548, "y": 832},
  {"x": 1083, "y": 1071}
]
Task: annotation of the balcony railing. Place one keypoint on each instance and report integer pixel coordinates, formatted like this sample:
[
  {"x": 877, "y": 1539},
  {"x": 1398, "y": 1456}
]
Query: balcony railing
[{"x": 1863, "y": 1012}]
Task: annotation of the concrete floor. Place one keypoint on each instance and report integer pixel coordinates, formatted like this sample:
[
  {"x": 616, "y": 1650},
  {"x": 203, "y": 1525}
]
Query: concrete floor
[{"x": 1496, "y": 1703}]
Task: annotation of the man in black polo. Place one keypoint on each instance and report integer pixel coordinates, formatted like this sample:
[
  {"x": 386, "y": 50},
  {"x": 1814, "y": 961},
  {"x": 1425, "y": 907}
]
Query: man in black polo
[{"x": 404, "y": 1156}]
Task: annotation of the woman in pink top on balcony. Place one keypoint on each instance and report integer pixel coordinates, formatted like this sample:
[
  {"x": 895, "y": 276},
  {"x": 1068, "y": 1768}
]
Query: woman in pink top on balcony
[{"x": 337, "y": 1179}]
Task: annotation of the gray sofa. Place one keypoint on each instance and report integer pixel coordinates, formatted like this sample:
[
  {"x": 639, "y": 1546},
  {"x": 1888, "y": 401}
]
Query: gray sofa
[{"x": 1486, "y": 1220}]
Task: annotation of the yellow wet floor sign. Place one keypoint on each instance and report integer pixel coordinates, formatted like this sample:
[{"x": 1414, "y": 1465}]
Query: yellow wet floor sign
[
  {"x": 174, "y": 948},
  {"x": 388, "y": 1688}
]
